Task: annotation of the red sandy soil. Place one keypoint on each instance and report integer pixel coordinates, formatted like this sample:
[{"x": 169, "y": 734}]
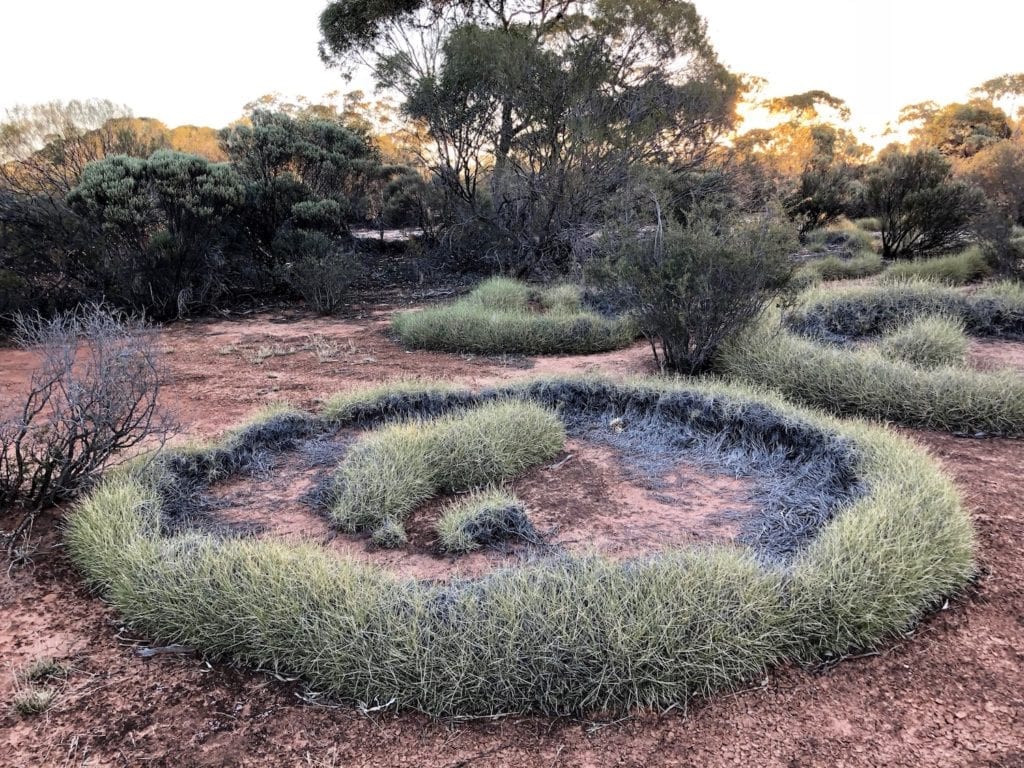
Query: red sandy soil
[
  {"x": 581, "y": 502},
  {"x": 993, "y": 355},
  {"x": 949, "y": 694}
]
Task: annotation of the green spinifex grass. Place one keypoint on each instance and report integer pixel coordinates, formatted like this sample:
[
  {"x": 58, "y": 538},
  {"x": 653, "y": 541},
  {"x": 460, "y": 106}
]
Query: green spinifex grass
[
  {"x": 481, "y": 518},
  {"x": 928, "y": 341},
  {"x": 558, "y": 635},
  {"x": 968, "y": 266},
  {"x": 396, "y": 468},
  {"x": 836, "y": 268},
  {"x": 504, "y": 316},
  {"x": 993, "y": 310},
  {"x": 869, "y": 383}
]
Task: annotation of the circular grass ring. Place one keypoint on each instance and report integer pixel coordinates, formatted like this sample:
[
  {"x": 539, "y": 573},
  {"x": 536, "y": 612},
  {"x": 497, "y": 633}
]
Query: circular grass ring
[
  {"x": 810, "y": 357},
  {"x": 839, "y": 316},
  {"x": 562, "y": 635}
]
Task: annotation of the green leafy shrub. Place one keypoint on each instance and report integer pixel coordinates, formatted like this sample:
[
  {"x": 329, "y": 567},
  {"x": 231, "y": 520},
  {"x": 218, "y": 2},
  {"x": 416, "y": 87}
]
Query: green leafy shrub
[
  {"x": 968, "y": 266},
  {"x": 692, "y": 287},
  {"x": 922, "y": 208},
  {"x": 929, "y": 341},
  {"x": 506, "y": 316},
  {"x": 393, "y": 470},
  {"x": 482, "y": 518},
  {"x": 319, "y": 268}
]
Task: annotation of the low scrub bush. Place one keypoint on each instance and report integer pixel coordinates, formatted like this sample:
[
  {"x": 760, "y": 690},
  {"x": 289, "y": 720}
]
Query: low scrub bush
[
  {"x": 93, "y": 395},
  {"x": 506, "y": 316},
  {"x": 393, "y": 470},
  {"x": 929, "y": 341},
  {"x": 995, "y": 311},
  {"x": 318, "y": 268},
  {"x": 692, "y": 287},
  {"x": 482, "y": 518},
  {"x": 863, "y": 382},
  {"x": 968, "y": 266},
  {"x": 562, "y": 634}
]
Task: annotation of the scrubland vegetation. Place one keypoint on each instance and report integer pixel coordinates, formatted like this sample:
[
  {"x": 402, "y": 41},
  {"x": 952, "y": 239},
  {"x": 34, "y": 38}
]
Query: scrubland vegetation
[{"x": 595, "y": 193}]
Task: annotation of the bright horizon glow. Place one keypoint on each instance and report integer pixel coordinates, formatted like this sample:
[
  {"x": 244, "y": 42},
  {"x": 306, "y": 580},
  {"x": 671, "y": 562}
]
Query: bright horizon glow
[{"x": 198, "y": 63}]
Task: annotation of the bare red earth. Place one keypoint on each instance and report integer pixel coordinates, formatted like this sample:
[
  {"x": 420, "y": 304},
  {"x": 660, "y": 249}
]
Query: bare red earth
[{"x": 950, "y": 694}]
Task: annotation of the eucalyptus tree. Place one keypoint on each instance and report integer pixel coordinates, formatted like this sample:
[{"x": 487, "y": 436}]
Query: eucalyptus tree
[{"x": 540, "y": 109}]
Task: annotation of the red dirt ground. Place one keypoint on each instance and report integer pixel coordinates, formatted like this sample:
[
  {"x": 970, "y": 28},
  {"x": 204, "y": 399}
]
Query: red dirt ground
[
  {"x": 950, "y": 694},
  {"x": 581, "y": 502}
]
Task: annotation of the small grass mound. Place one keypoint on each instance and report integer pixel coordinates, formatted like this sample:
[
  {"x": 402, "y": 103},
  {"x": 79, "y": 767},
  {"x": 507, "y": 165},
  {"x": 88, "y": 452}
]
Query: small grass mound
[
  {"x": 33, "y": 700},
  {"x": 929, "y": 341},
  {"x": 503, "y": 316},
  {"x": 844, "y": 237},
  {"x": 391, "y": 471},
  {"x": 837, "y": 268},
  {"x": 969, "y": 266},
  {"x": 841, "y": 315},
  {"x": 561, "y": 634},
  {"x": 483, "y": 518}
]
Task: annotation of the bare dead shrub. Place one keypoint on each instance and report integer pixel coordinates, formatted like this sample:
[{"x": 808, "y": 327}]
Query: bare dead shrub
[{"x": 93, "y": 396}]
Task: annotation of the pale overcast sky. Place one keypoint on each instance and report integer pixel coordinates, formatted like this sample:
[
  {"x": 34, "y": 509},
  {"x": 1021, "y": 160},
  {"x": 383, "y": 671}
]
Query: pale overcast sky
[{"x": 193, "y": 61}]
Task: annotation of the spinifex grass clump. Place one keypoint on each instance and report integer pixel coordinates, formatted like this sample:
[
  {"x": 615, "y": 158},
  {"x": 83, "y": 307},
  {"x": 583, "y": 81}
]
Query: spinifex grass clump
[
  {"x": 393, "y": 470},
  {"x": 929, "y": 342},
  {"x": 562, "y": 634},
  {"x": 483, "y": 518},
  {"x": 504, "y": 316},
  {"x": 837, "y": 268},
  {"x": 844, "y": 237},
  {"x": 968, "y": 266},
  {"x": 866, "y": 383},
  {"x": 839, "y": 315}
]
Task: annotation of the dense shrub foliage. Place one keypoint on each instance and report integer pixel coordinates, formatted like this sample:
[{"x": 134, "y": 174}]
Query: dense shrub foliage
[
  {"x": 693, "y": 287},
  {"x": 152, "y": 228},
  {"x": 921, "y": 207}
]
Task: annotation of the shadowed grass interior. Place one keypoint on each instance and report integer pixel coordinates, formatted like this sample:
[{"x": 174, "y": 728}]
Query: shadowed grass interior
[{"x": 561, "y": 634}]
